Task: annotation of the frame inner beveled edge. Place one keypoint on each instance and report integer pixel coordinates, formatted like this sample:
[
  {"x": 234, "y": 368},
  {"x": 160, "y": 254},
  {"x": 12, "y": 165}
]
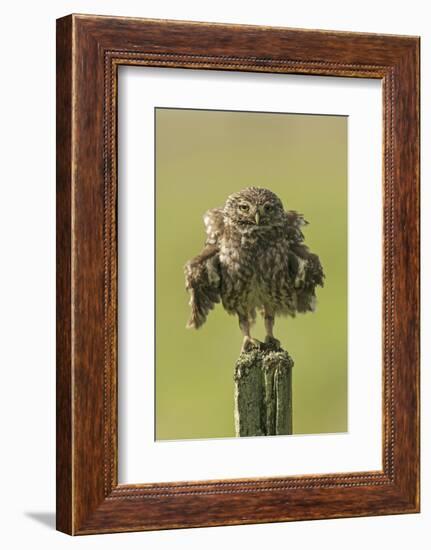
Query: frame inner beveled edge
[{"x": 156, "y": 490}]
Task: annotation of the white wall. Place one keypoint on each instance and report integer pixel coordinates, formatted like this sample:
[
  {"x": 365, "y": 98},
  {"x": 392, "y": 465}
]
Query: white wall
[{"x": 27, "y": 313}]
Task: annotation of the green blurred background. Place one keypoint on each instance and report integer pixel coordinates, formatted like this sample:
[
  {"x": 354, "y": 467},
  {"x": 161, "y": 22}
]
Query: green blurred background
[{"x": 201, "y": 158}]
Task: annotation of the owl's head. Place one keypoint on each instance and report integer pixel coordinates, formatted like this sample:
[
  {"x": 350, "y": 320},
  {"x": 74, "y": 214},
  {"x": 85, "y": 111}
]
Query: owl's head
[{"x": 254, "y": 206}]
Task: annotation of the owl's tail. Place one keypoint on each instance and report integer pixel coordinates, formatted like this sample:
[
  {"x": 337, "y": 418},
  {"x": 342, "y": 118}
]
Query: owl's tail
[{"x": 204, "y": 292}]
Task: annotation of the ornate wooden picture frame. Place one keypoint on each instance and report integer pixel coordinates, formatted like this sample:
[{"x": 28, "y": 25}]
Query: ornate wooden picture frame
[{"x": 89, "y": 51}]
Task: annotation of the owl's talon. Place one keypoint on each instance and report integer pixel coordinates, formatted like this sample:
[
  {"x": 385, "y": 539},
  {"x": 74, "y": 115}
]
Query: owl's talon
[
  {"x": 249, "y": 344},
  {"x": 273, "y": 342}
]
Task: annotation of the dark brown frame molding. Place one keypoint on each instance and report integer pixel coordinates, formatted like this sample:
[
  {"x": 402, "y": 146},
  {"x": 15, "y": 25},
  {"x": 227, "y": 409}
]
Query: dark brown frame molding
[{"x": 89, "y": 51}]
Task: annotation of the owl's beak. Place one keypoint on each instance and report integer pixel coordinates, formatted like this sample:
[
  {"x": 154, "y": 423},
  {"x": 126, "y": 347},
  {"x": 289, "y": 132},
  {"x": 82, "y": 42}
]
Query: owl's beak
[{"x": 257, "y": 217}]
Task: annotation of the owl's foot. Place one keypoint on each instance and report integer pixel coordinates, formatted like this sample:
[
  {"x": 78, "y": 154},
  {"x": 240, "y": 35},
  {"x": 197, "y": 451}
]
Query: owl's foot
[
  {"x": 250, "y": 344},
  {"x": 272, "y": 342}
]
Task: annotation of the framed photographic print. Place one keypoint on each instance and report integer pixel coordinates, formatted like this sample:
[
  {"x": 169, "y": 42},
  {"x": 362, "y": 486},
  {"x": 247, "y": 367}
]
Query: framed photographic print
[{"x": 237, "y": 274}]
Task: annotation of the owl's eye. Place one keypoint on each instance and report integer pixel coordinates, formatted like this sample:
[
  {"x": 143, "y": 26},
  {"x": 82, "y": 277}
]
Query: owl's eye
[
  {"x": 267, "y": 208},
  {"x": 244, "y": 207}
]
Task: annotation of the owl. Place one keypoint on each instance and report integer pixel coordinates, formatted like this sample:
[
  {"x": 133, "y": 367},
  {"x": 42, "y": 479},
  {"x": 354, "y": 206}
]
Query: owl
[{"x": 254, "y": 260}]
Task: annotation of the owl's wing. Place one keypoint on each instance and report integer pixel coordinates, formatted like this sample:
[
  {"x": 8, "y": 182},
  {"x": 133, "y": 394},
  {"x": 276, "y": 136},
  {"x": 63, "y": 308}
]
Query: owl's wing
[
  {"x": 305, "y": 268},
  {"x": 214, "y": 225},
  {"x": 203, "y": 272},
  {"x": 294, "y": 224}
]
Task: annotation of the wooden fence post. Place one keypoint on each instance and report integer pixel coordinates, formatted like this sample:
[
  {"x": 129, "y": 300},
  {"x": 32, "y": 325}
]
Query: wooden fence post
[{"x": 263, "y": 392}]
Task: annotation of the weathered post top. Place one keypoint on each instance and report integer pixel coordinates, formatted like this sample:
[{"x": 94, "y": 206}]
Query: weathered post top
[{"x": 263, "y": 392}]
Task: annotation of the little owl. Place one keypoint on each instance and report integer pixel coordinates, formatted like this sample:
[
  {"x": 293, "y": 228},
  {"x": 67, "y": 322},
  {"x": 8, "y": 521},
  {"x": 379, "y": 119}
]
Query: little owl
[{"x": 254, "y": 258}]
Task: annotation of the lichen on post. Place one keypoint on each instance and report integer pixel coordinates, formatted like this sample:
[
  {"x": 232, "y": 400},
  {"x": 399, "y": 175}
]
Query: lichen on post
[{"x": 263, "y": 392}]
